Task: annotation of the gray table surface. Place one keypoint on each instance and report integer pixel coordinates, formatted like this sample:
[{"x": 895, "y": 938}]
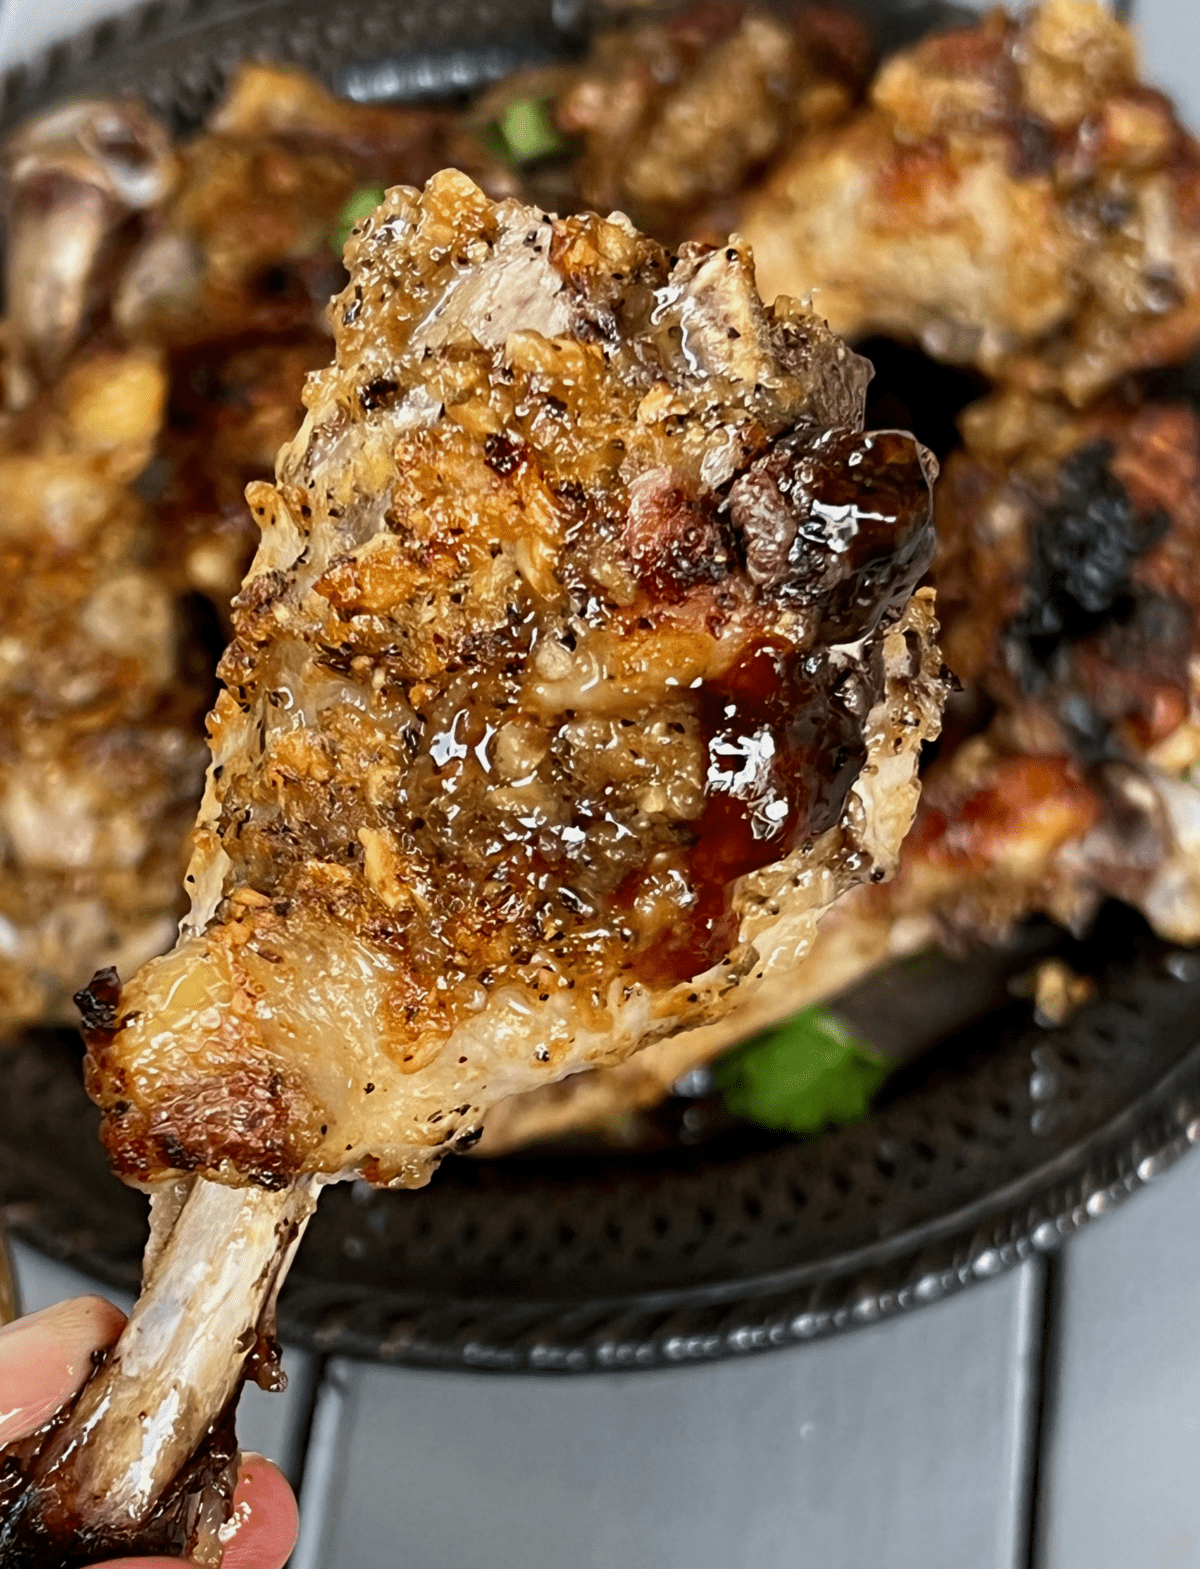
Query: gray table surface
[{"x": 1049, "y": 1419}]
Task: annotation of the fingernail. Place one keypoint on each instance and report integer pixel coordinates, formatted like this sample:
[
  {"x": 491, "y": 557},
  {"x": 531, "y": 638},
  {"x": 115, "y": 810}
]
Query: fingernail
[{"x": 46, "y": 1357}]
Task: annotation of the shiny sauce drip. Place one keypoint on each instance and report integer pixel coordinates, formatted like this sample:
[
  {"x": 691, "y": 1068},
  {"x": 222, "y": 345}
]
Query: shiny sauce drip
[
  {"x": 784, "y": 747},
  {"x": 840, "y": 520}
]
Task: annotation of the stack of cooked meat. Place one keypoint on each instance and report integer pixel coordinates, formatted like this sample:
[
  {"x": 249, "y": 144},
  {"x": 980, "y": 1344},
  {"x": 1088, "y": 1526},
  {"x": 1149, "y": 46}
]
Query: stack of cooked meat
[
  {"x": 165, "y": 305},
  {"x": 1008, "y": 197}
]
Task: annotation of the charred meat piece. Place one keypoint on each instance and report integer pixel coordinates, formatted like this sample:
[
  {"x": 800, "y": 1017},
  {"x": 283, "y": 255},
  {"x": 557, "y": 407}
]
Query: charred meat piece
[
  {"x": 516, "y": 770},
  {"x": 1063, "y": 561},
  {"x": 1014, "y": 197},
  {"x": 101, "y": 756},
  {"x": 511, "y": 739},
  {"x": 678, "y": 113}
]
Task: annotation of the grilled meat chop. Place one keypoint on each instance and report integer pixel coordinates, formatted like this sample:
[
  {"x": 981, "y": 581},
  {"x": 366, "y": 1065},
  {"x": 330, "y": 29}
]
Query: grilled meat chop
[
  {"x": 679, "y": 112},
  {"x": 578, "y": 672},
  {"x": 1067, "y": 550},
  {"x": 532, "y": 668},
  {"x": 1013, "y": 197},
  {"x": 101, "y": 699}
]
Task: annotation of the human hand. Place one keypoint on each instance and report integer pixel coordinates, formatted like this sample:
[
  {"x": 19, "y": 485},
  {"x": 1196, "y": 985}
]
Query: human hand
[{"x": 47, "y": 1357}]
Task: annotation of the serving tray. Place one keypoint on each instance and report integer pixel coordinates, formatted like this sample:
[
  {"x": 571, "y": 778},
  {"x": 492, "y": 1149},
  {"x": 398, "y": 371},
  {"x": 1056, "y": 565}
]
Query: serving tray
[{"x": 998, "y": 1142}]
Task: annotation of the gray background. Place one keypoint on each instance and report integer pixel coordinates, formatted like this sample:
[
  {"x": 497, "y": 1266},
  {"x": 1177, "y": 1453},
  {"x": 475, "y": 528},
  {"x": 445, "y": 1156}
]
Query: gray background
[{"x": 1048, "y": 1419}]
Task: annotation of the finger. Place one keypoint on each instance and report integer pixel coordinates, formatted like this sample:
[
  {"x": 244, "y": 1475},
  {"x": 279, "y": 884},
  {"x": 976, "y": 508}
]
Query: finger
[
  {"x": 265, "y": 1521},
  {"x": 262, "y": 1531},
  {"x": 46, "y": 1358}
]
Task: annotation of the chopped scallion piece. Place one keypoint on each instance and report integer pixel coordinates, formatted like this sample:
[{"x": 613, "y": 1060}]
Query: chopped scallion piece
[
  {"x": 528, "y": 132},
  {"x": 357, "y": 205},
  {"x": 802, "y": 1075}
]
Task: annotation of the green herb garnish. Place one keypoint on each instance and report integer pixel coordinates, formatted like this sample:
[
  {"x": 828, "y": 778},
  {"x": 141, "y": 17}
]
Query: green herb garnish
[
  {"x": 802, "y": 1075},
  {"x": 357, "y": 205},
  {"x": 525, "y": 132}
]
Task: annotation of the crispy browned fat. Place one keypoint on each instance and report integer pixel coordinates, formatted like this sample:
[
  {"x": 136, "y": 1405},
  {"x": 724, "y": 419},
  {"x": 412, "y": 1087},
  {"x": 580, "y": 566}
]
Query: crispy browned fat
[{"x": 579, "y": 670}]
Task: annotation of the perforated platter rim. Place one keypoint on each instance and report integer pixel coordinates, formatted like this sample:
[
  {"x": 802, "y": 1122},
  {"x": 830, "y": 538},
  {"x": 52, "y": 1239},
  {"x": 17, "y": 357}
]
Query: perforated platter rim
[{"x": 1007, "y": 1140}]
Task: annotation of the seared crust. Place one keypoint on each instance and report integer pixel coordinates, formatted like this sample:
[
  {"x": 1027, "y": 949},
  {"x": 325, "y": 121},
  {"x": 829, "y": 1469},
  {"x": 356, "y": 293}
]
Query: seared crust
[{"x": 517, "y": 768}]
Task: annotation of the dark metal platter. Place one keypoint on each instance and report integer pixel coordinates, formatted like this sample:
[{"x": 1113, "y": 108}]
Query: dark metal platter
[{"x": 999, "y": 1141}]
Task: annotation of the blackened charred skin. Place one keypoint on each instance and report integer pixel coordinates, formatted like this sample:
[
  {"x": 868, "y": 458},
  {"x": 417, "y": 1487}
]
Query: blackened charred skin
[
  {"x": 376, "y": 394},
  {"x": 173, "y": 1154},
  {"x": 1129, "y": 679},
  {"x": 39, "y": 1525},
  {"x": 1033, "y": 148},
  {"x": 99, "y": 1003},
  {"x": 1083, "y": 550},
  {"x": 261, "y": 592},
  {"x": 1085, "y": 547},
  {"x": 841, "y": 520}
]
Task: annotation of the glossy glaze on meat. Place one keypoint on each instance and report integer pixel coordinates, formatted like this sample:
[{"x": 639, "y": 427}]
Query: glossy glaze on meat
[
  {"x": 1015, "y": 199},
  {"x": 1065, "y": 773}
]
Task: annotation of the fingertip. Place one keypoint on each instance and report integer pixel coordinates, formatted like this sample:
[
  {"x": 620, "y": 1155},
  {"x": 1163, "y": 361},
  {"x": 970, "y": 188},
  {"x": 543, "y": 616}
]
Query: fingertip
[
  {"x": 266, "y": 1521},
  {"x": 262, "y": 1531},
  {"x": 103, "y": 1318},
  {"x": 92, "y": 1320},
  {"x": 47, "y": 1357},
  {"x": 140, "y": 1563}
]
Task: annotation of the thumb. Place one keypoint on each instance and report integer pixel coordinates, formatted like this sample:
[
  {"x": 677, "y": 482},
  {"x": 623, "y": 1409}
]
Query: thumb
[{"x": 46, "y": 1358}]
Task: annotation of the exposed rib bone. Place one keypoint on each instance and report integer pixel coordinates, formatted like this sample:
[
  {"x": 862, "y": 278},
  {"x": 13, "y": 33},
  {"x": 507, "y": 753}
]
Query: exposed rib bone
[{"x": 104, "y": 1473}]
